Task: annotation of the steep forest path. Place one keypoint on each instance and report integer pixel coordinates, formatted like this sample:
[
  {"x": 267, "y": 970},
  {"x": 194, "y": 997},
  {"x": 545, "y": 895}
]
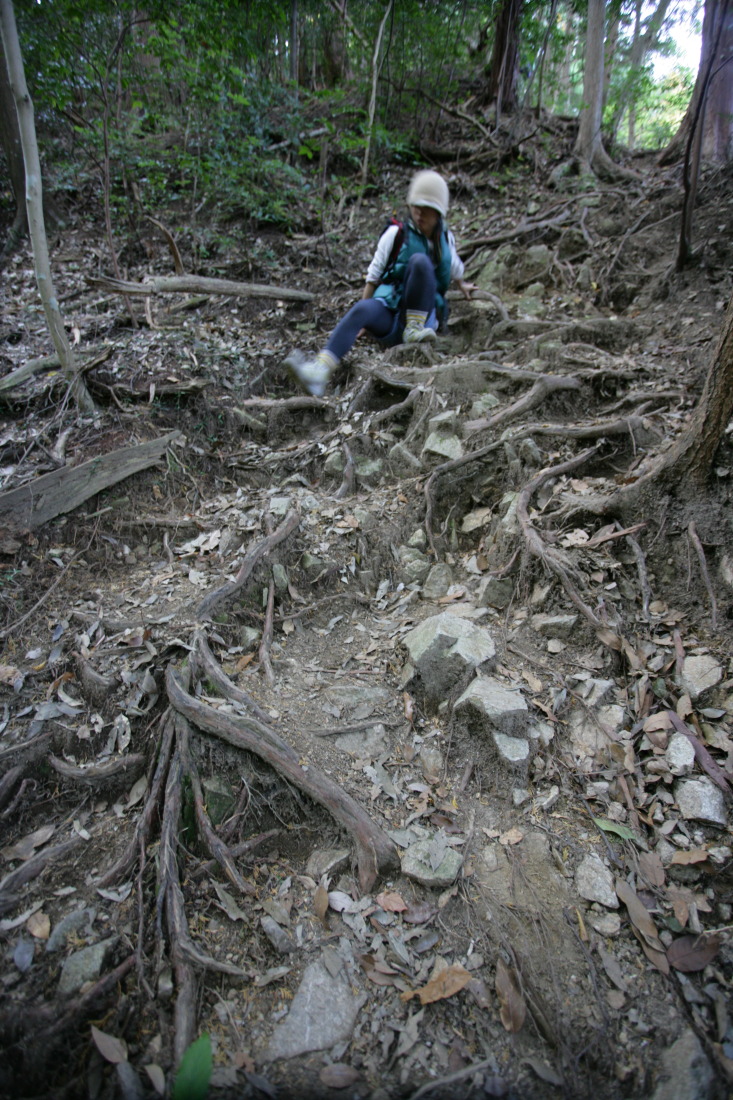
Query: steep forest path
[{"x": 350, "y": 734}]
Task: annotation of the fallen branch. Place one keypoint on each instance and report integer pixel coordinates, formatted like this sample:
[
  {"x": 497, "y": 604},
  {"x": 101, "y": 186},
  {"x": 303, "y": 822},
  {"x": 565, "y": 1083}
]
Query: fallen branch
[
  {"x": 194, "y": 284},
  {"x": 63, "y": 490}
]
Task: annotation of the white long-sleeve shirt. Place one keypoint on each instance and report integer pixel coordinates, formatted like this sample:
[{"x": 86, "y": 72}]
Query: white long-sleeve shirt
[{"x": 384, "y": 247}]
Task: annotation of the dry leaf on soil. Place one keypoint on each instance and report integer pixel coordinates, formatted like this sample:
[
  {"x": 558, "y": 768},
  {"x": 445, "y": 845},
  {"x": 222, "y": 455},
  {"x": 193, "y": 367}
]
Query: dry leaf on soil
[
  {"x": 26, "y": 846},
  {"x": 692, "y": 953},
  {"x": 445, "y": 984},
  {"x": 512, "y": 1007},
  {"x": 643, "y": 925},
  {"x": 39, "y": 925},
  {"x": 391, "y": 903},
  {"x": 338, "y": 1076},
  {"x": 112, "y": 1049},
  {"x": 690, "y": 855}
]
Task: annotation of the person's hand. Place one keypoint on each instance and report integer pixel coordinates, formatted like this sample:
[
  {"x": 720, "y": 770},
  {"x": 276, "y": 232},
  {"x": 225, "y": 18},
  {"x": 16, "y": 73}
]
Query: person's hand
[{"x": 466, "y": 289}]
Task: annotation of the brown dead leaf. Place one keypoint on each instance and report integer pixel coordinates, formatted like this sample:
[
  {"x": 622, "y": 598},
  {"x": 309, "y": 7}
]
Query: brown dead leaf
[
  {"x": 391, "y": 903},
  {"x": 39, "y": 925},
  {"x": 420, "y": 913},
  {"x": 684, "y": 707},
  {"x": 643, "y": 925},
  {"x": 338, "y": 1076},
  {"x": 320, "y": 902},
  {"x": 512, "y": 1007},
  {"x": 26, "y": 846},
  {"x": 689, "y": 855},
  {"x": 511, "y": 836},
  {"x": 443, "y": 985},
  {"x": 376, "y": 970},
  {"x": 409, "y": 707},
  {"x": 650, "y": 866},
  {"x": 660, "y": 721},
  {"x": 244, "y": 661},
  {"x": 691, "y": 953}
]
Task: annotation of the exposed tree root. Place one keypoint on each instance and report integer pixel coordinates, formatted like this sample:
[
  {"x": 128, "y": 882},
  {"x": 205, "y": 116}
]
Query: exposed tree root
[
  {"x": 209, "y": 602},
  {"x": 557, "y": 562},
  {"x": 375, "y": 852}
]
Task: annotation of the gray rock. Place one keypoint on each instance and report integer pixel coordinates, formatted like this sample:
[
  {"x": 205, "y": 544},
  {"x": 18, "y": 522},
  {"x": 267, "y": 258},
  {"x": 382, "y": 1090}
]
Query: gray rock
[
  {"x": 445, "y": 422},
  {"x": 277, "y": 936},
  {"x": 700, "y": 800},
  {"x": 323, "y": 1013},
  {"x": 495, "y": 592},
  {"x": 84, "y": 966},
  {"x": 437, "y": 582},
  {"x": 685, "y": 1073},
  {"x": 503, "y": 708},
  {"x": 605, "y": 924},
  {"x": 368, "y": 470},
  {"x": 219, "y": 798},
  {"x": 402, "y": 462},
  {"x": 441, "y": 650},
  {"x": 415, "y": 565},
  {"x": 365, "y": 744},
  {"x": 513, "y": 752},
  {"x": 418, "y": 860},
  {"x": 594, "y": 882},
  {"x": 680, "y": 754},
  {"x": 280, "y": 506},
  {"x": 699, "y": 674},
  {"x": 312, "y": 565},
  {"x": 418, "y": 540},
  {"x": 327, "y": 861},
  {"x": 482, "y": 405},
  {"x": 72, "y": 922},
  {"x": 280, "y": 577},
  {"x": 248, "y": 636},
  {"x": 554, "y": 626},
  {"x": 443, "y": 444},
  {"x": 591, "y": 733}
]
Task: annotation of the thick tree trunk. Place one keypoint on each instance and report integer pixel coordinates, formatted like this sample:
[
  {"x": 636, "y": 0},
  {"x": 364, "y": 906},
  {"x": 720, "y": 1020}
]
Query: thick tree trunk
[
  {"x": 503, "y": 74},
  {"x": 589, "y": 146},
  {"x": 34, "y": 206},
  {"x": 689, "y": 462},
  {"x": 717, "y": 45}
]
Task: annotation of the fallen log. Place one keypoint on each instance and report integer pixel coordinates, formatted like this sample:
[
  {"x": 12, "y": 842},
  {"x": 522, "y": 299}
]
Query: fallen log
[
  {"x": 63, "y": 490},
  {"x": 195, "y": 284}
]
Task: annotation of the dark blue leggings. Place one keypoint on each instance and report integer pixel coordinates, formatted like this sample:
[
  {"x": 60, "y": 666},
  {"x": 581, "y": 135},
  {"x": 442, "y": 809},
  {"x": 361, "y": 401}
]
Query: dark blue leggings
[{"x": 387, "y": 324}]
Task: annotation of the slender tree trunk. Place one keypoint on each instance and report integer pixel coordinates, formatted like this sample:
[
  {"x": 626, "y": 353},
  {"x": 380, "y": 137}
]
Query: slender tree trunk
[
  {"x": 13, "y": 149},
  {"x": 589, "y": 146},
  {"x": 609, "y": 48},
  {"x": 34, "y": 205},
  {"x": 294, "y": 41},
  {"x": 372, "y": 109}
]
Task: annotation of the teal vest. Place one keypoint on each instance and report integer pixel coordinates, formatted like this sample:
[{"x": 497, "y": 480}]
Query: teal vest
[{"x": 391, "y": 291}]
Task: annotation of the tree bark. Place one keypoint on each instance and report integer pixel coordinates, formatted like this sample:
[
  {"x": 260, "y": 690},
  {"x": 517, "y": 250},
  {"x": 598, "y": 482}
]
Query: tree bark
[
  {"x": 503, "y": 73},
  {"x": 717, "y": 30},
  {"x": 689, "y": 463},
  {"x": 589, "y": 146},
  {"x": 13, "y": 150},
  {"x": 34, "y": 206}
]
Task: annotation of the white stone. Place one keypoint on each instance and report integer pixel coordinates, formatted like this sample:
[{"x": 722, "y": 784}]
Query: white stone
[
  {"x": 504, "y": 707},
  {"x": 323, "y": 1013},
  {"x": 605, "y": 924},
  {"x": 447, "y": 446},
  {"x": 680, "y": 754},
  {"x": 594, "y": 882},
  {"x": 700, "y": 800},
  {"x": 699, "y": 674}
]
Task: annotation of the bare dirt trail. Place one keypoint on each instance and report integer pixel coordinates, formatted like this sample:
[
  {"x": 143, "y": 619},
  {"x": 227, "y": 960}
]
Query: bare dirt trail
[{"x": 348, "y": 734}]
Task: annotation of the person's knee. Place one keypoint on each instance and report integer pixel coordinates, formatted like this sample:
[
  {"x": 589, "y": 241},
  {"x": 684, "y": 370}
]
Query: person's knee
[{"x": 419, "y": 264}]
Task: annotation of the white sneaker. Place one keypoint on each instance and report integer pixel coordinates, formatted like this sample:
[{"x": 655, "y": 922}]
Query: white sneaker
[
  {"x": 418, "y": 335},
  {"x": 311, "y": 374}
]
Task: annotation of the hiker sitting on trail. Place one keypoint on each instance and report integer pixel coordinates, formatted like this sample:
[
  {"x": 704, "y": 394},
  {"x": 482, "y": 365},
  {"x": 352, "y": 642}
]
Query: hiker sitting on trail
[{"x": 404, "y": 296}]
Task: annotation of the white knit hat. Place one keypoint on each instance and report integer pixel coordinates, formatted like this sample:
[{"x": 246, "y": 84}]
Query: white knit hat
[{"x": 429, "y": 189}]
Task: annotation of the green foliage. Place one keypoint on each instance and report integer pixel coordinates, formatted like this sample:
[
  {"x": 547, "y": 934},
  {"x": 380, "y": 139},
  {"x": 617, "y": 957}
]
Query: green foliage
[{"x": 194, "y": 1073}]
